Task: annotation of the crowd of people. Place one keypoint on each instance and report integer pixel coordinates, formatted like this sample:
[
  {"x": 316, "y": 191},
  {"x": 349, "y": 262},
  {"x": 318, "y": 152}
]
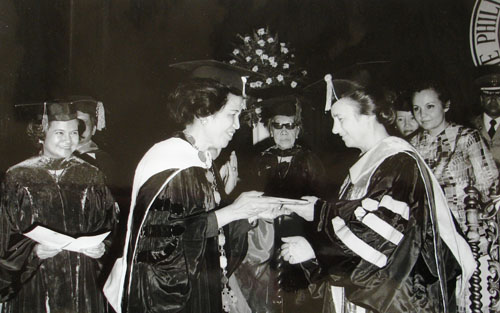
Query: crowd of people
[{"x": 201, "y": 238}]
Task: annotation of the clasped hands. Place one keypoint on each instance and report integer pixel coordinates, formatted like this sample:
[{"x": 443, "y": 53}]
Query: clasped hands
[{"x": 279, "y": 208}]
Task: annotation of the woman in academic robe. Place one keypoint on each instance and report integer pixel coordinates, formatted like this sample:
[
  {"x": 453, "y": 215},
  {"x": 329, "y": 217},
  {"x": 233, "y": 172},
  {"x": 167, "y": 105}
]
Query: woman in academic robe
[
  {"x": 389, "y": 242},
  {"x": 183, "y": 241},
  {"x": 64, "y": 194}
]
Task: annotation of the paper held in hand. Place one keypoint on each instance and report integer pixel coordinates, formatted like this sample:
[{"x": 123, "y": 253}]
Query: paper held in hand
[
  {"x": 287, "y": 200},
  {"x": 54, "y": 239}
]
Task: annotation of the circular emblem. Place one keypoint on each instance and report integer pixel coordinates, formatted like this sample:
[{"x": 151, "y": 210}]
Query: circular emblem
[{"x": 484, "y": 32}]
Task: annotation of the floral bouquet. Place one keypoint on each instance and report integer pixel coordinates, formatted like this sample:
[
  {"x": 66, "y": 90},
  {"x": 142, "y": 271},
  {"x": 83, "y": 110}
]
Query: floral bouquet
[{"x": 263, "y": 53}]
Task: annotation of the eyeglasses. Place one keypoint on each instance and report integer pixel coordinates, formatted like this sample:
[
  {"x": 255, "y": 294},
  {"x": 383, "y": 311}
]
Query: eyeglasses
[{"x": 288, "y": 126}]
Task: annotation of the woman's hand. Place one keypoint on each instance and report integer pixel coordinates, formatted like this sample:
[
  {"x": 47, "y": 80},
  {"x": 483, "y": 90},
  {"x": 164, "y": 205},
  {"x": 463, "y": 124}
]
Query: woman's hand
[
  {"x": 306, "y": 211},
  {"x": 248, "y": 205},
  {"x": 274, "y": 213},
  {"x": 229, "y": 173},
  {"x": 296, "y": 249},
  {"x": 45, "y": 252},
  {"x": 95, "y": 252}
]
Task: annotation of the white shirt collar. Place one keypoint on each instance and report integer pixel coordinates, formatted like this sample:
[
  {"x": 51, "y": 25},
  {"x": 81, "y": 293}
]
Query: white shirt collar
[{"x": 486, "y": 121}]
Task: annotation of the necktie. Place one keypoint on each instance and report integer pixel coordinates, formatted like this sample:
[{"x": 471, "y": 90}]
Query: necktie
[{"x": 491, "y": 131}]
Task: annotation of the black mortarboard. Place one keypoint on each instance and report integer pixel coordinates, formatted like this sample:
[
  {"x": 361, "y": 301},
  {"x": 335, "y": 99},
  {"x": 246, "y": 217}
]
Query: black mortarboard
[
  {"x": 332, "y": 89},
  {"x": 57, "y": 110},
  {"x": 365, "y": 73},
  {"x": 488, "y": 78},
  {"x": 92, "y": 107},
  {"x": 225, "y": 73},
  {"x": 277, "y": 100}
]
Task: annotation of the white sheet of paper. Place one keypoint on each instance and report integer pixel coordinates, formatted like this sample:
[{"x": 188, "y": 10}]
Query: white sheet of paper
[{"x": 54, "y": 239}]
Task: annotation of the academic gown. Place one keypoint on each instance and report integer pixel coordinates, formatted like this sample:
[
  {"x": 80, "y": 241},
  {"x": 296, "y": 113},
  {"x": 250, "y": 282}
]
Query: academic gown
[
  {"x": 173, "y": 257},
  {"x": 390, "y": 239},
  {"x": 68, "y": 196}
]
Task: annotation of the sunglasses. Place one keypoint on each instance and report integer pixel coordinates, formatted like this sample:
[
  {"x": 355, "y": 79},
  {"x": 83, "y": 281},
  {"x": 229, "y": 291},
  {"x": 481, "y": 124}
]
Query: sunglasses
[{"x": 288, "y": 126}]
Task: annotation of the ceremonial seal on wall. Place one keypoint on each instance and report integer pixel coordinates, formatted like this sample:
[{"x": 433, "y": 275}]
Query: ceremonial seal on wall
[{"x": 484, "y": 32}]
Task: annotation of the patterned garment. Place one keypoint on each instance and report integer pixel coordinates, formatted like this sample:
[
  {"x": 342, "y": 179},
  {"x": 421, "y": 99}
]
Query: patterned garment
[{"x": 455, "y": 163}]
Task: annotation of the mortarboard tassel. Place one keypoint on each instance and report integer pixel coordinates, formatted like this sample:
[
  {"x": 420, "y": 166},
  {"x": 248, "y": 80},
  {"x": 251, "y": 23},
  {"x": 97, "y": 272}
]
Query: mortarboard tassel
[
  {"x": 329, "y": 92},
  {"x": 45, "y": 118},
  {"x": 243, "y": 92},
  {"x": 101, "y": 118}
]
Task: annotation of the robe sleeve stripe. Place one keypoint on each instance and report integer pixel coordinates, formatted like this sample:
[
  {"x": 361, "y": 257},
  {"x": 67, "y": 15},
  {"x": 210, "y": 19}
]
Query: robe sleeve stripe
[
  {"x": 356, "y": 245},
  {"x": 379, "y": 226},
  {"x": 395, "y": 206}
]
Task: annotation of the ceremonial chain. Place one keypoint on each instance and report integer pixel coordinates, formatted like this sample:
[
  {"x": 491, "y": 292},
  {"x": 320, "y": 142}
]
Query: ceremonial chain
[{"x": 228, "y": 296}]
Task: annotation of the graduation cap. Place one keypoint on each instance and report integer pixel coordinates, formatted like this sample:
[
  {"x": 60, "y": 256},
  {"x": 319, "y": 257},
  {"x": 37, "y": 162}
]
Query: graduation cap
[
  {"x": 277, "y": 100},
  {"x": 333, "y": 89},
  {"x": 57, "y": 110},
  {"x": 488, "y": 79},
  {"x": 92, "y": 107},
  {"x": 225, "y": 73},
  {"x": 364, "y": 73}
]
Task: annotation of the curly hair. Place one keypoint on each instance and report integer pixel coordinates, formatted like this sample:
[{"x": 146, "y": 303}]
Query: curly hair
[
  {"x": 36, "y": 134},
  {"x": 197, "y": 98}
]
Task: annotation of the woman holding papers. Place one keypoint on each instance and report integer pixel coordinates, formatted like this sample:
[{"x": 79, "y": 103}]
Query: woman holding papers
[
  {"x": 389, "y": 240},
  {"x": 183, "y": 242},
  {"x": 59, "y": 192}
]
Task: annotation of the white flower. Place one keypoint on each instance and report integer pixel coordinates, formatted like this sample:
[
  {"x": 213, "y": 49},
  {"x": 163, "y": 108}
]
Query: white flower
[
  {"x": 270, "y": 40},
  {"x": 286, "y": 65},
  {"x": 246, "y": 39},
  {"x": 264, "y": 57},
  {"x": 269, "y": 81},
  {"x": 261, "y": 31},
  {"x": 279, "y": 78},
  {"x": 304, "y": 72},
  {"x": 274, "y": 64},
  {"x": 284, "y": 50},
  {"x": 236, "y": 51},
  {"x": 258, "y": 84},
  {"x": 271, "y": 59},
  {"x": 261, "y": 43},
  {"x": 255, "y": 68},
  {"x": 248, "y": 59},
  {"x": 259, "y": 51},
  {"x": 232, "y": 61},
  {"x": 282, "y": 44},
  {"x": 293, "y": 55},
  {"x": 258, "y": 110},
  {"x": 253, "y": 85},
  {"x": 293, "y": 84}
]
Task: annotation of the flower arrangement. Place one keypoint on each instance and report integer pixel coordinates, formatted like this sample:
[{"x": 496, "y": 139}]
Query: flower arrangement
[{"x": 263, "y": 53}]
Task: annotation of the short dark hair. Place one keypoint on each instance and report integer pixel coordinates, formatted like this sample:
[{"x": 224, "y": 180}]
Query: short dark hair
[
  {"x": 374, "y": 100},
  {"x": 436, "y": 85},
  {"x": 197, "y": 98}
]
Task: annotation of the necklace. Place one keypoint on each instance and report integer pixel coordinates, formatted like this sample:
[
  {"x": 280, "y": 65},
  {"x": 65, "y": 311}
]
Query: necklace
[{"x": 228, "y": 296}]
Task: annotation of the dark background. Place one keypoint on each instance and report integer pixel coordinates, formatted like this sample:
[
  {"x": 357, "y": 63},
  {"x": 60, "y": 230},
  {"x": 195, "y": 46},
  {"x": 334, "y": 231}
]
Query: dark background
[{"x": 119, "y": 52}]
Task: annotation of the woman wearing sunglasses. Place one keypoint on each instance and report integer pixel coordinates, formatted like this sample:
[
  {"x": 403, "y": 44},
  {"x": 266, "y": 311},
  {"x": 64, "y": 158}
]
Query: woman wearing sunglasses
[{"x": 288, "y": 170}]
